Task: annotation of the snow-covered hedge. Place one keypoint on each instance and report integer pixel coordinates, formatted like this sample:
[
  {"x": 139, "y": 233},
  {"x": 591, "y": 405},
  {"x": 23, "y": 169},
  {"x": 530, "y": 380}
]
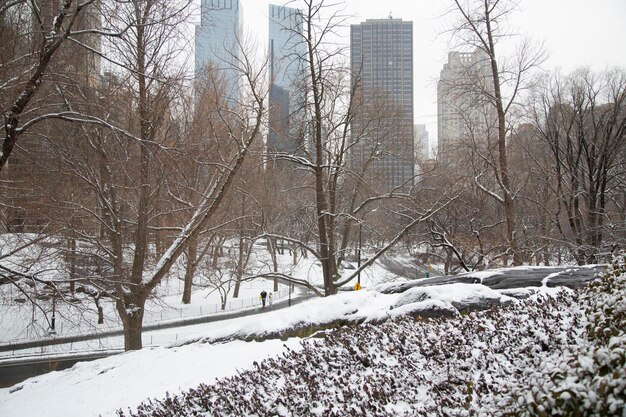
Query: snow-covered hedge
[
  {"x": 590, "y": 377},
  {"x": 547, "y": 355}
]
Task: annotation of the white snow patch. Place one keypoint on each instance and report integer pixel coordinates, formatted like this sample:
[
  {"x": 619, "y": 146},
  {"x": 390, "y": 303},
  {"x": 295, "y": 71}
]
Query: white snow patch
[
  {"x": 451, "y": 293},
  {"x": 481, "y": 275},
  {"x": 100, "y": 387}
]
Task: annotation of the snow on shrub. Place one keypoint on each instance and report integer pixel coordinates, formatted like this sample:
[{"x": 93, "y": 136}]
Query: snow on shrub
[
  {"x": 547, "y": 355},
  {"x": 590, "y": 377}
]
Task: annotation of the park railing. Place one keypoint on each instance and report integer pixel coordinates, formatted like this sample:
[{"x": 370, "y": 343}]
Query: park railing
[{"x": 101, "y": 334}]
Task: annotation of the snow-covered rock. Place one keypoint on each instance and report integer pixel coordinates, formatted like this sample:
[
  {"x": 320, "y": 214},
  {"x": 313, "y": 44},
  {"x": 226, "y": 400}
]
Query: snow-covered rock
[{"x": 462, "y": 297}]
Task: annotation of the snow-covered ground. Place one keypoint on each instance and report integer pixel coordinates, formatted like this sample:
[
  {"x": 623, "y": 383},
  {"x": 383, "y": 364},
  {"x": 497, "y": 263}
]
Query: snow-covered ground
[
  {"x": 22, "y": 321},
  {"x": 100, "y": 387},
  {"x": 200, "y": 353}
]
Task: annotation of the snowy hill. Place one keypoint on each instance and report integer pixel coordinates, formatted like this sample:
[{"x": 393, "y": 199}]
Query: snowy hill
[
  {"x": 376, "y": 360},
  {"x": 557, "y": 354}
]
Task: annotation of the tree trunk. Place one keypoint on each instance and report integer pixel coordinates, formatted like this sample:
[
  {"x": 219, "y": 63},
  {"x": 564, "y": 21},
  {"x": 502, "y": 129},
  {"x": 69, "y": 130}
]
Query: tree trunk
[
  {"x": 140, "y": 238},
  {"x": 321, "y": 204},
  {"x": 280, "y": 246},
  {"x": 100, "y": 314},
  {"x": 237, "y": 288},
  {"x": 448, "y": 262},
  {"x": 133, "y": 328},
  {"x": 72, "y": 260},
  {"x": 294, "y": 253},
  {"x": 132, "y": 320},
  {"x": 503, "y": 163},
  {"x": 241, "y": 263},
  {"x": 216, "y": 254},
  {"x": 190, "y": 270},
  {"x": 271, "y": 247}
]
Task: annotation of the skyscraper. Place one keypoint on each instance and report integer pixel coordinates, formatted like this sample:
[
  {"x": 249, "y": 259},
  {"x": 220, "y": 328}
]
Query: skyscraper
[
  {"x": 216, "y": 44},
  {"x": 286, "y": 49},
  {"x": 382, "y": 56},
  {"x": 465, "y": 115}
]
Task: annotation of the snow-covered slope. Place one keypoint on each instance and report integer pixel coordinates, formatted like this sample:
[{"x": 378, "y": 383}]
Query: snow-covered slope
[
  {"x": 104, "y": 385},
  {"x": 548, "y": 355},
  {"x": 369, "y": 357}
]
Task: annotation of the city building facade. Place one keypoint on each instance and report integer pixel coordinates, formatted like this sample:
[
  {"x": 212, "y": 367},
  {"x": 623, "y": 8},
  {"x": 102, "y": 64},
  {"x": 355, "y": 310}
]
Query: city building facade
[
  {"x": 216, "y": 45},
  {"x": 466, "y": 116},
  {"x": 381, "y": 53},
  {"x": 286, "y": 52}
]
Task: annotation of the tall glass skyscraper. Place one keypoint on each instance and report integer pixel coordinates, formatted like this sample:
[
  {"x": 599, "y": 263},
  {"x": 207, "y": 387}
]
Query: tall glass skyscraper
[
  {"x": 286, "y": 49},
  {"x": 382, "y": 60},
  {"x": 216, "y": 44}
]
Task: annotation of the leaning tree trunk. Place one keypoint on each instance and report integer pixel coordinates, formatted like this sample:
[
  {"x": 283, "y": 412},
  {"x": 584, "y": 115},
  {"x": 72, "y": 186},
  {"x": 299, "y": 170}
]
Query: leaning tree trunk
[
  {"x": 240, "y": 265},
  {"x": 190, "y": 270}
]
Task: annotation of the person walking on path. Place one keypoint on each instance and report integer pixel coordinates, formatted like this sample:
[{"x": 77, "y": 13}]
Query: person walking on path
[{"x": 263, "y": 297}]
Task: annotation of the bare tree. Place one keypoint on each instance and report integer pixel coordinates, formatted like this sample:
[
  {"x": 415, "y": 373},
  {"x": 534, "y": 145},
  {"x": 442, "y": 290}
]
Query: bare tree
[
  {"x": 221, "y": 277},
  {"x": 328, "y": 100},
  {"x": 531, "y": 167},
  {"x": 33, "y": 33},
  {"x": 143, "y": 210},
  {"x": 582, "y": 120},
  {"x": 335, "y": 166},
  {"x": 482, "y": 24}
]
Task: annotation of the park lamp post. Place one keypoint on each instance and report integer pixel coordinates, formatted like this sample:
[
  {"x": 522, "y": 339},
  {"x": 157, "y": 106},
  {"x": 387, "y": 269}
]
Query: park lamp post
[
  {"x": 358, "y": 275},
  {"x": 52, "y": 330}
]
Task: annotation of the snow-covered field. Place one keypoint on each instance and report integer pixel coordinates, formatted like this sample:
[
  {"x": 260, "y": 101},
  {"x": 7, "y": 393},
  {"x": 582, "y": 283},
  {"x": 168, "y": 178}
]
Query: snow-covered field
[
  {"x": 103, "y": 386},
  {"x": 99, "y": 387},
  {"x": 286, "y": 368},
  {"x": 22, "y": 321}
]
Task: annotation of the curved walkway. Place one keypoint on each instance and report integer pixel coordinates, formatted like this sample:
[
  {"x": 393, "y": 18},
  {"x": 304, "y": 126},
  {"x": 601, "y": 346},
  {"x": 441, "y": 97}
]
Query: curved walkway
[{"x": 14, "y": 348}]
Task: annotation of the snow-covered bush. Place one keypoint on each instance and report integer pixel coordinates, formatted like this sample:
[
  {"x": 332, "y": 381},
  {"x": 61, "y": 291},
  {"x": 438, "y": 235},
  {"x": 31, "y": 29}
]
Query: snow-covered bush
[
  {"x": 590, "y": 377},
  {"x": 547, "y": 355}
]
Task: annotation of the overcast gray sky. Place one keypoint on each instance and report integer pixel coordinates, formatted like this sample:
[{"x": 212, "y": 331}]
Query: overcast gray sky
[{"x": 576, "y": 33}]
